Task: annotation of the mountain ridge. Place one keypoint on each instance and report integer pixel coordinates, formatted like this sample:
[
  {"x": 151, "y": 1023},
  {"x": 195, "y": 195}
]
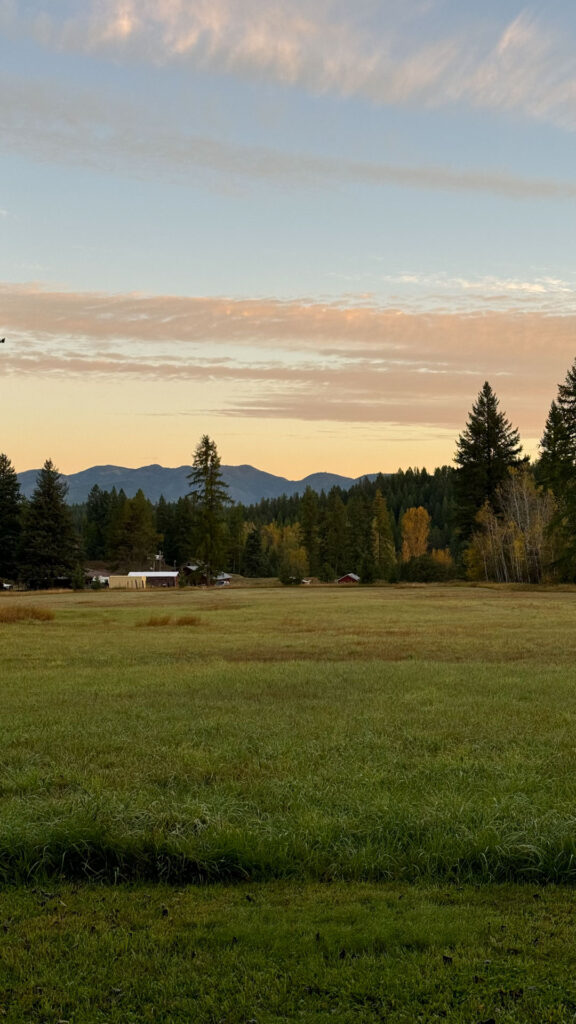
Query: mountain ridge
[{"x": 246, "y": 484}]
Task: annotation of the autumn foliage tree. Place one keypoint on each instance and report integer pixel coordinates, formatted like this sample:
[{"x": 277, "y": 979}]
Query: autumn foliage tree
[
  {"x": 283, "y": 548},
  {"x": 415, "y": 533},
  {"x": 516, "y": 545}
]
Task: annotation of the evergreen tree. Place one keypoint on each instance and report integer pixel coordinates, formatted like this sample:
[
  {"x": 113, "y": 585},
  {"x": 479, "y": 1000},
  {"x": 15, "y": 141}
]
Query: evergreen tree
[
  {"x": 254, "y": 563},
  {"x": 49, "y": 545},
  {"x": 567, "y": 404},
  {"x": 486, "y": 450},
  {"x": 384, "y": 550},
  {"x": 557, "y": 470},
  {"x": 309, "y": 518},
  {"x": 97, "y": 528},
  {"x": 333, "y": 536},
  {"x": 182, "y": 546},
  {"x": 10, "y": 518},
  {"x": 209, "y": 496},
  {"x": 117, "y": 501},
  {"x": 236, "y": 537},
  {"x": 164, "y": 521},
  {"x": 556, "y": 464},
  {"x": 136, "y": 539},
  {"x": 360, "y": 542}
]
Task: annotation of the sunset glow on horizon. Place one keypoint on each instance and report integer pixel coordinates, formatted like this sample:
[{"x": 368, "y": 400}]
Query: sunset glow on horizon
[{"x": 308, "y": 231}]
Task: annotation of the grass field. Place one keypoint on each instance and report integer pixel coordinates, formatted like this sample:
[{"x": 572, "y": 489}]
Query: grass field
[{"x": 390, "y": 769}]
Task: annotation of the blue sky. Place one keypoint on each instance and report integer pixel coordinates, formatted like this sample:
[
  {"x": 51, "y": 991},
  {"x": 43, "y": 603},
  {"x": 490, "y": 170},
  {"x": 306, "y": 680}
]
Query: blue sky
[{"x": 310, "y": 230}]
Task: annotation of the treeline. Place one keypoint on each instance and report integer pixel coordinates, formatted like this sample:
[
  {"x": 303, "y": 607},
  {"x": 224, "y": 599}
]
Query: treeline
[
  {"x": 493, "y": 517},
  {"x": 363, "y": 530}
]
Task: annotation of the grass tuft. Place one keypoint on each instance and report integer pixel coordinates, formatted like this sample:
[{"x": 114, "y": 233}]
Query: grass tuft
[
  {"x": 188, "y": 620},
  {"x": 26, "y": 613}
]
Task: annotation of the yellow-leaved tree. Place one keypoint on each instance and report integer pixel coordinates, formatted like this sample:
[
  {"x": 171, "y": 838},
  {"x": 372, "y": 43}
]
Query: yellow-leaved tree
[{"x": 415, "y": 533}]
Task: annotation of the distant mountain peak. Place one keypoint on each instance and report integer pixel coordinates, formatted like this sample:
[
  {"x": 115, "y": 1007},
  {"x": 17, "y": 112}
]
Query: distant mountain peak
[{"x": 246, "y": 484}]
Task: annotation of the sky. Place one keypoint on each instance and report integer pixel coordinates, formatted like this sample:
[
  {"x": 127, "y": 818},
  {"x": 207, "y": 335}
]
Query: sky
[{"x": 308, "y": 228}]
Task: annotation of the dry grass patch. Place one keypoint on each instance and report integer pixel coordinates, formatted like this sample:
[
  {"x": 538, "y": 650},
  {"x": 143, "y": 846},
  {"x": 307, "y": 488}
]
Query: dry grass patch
[
  {"x": 167, "y": 620},
  {"x": 26, "y": 613},
  {"x": 223, "y": 607}
]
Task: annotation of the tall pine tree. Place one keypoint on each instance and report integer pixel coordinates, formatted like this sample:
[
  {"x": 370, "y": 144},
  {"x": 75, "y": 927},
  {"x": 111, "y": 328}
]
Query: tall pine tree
[
  {"x": 556, "y": 463},
  {"x": 137, "y": 539},
  {"x": 10, "y": 519},
  {"x": 567, "y": 404},
  {"x": 98, "y": 506},
  {"x": 49, "y": 545},
  {"x": 384, "y": 550},
  {"x": 487, "y": 448},
  {"x": 556, "y": 470},
  {"x": 210, "y": 497}
]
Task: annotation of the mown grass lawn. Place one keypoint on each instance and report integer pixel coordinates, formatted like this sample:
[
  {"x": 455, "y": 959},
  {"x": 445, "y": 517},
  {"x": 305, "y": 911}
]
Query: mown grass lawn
[{"x": 392, "y": 769}]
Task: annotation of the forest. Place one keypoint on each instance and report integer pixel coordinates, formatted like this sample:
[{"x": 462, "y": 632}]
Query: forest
[{"x": 494, "y": 516}]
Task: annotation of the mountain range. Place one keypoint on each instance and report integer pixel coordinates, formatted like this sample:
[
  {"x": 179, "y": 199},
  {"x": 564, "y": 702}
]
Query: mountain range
[{"x": 245, "y": 483}]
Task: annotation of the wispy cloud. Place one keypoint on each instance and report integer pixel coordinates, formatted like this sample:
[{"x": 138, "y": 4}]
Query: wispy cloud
[
  {"x": 303, "y": 360},
  {"x": 42, "y": 120},
  {"x": 388, "y": 53},
  {"x": 544, "y": 292}
]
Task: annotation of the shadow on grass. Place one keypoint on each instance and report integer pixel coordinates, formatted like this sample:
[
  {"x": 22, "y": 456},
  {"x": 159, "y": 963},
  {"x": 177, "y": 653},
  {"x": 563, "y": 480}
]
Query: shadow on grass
[{"x": 100, "y": 857}]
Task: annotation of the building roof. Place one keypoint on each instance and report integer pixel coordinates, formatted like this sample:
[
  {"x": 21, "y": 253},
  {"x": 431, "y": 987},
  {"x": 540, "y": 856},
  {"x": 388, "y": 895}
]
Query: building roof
[
  {"x": 350, "y": 576},
  {"x": 169, "y": 572}
]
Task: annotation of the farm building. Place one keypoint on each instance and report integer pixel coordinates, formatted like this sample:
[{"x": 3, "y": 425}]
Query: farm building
[
  {"x": 157, "y": 579},
  {"x": 349, "y": 577},
  {"x": 136, "y": 581}
]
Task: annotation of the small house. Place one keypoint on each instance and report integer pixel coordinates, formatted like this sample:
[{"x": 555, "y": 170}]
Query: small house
[{"x": 349, "y": 577}]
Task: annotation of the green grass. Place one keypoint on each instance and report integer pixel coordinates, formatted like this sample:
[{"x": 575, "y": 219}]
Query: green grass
[
  {"x": 134, "y": 753},
  {"x": 372, "y": 791},
  {"x": 280, "y": 952}
]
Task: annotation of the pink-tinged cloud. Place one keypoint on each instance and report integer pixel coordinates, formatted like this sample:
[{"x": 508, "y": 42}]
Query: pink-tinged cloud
[
  {"x": 389, "y": 53},
  {"x": 43, "y": 121},
  {"x": 303, "y": 360}
]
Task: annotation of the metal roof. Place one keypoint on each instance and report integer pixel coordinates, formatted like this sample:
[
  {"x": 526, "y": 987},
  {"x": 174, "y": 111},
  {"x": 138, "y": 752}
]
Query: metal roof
[{"x": 169, "y": 572}]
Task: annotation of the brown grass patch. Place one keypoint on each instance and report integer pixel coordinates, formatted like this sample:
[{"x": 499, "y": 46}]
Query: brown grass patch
[
  {"x": 26, "y": 613},
  {"x": 167, "y": 620},
  {"x": 223, "y": 607}
]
